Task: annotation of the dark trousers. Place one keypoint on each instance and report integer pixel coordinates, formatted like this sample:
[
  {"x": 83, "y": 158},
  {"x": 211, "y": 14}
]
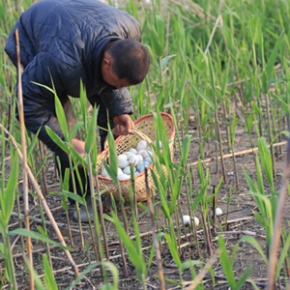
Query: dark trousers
[{"x": 79, "y": 183}]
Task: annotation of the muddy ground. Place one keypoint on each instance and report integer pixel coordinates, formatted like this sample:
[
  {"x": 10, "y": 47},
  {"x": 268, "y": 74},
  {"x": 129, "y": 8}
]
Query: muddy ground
[{"x": 239, "y": 205}]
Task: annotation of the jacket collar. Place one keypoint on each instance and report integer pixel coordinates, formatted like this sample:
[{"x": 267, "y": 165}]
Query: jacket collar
[{"x": 97, "y": 59}]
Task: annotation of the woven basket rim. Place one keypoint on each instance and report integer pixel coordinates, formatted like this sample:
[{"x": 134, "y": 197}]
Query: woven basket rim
[
  {"x": 171, "y": 137},
  {"x": 172, "y": 133}
]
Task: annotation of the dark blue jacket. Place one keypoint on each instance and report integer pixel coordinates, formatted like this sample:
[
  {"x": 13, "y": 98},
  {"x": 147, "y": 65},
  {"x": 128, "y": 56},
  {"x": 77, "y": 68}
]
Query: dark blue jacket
[{"x": 63, "y": 41}]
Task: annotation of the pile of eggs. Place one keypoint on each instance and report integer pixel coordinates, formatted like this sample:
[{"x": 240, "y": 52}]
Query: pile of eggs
[{"x": 141, "y": 158}]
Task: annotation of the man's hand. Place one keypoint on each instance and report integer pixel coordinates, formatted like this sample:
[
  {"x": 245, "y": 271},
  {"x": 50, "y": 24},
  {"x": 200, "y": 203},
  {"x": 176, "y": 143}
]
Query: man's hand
[
  {"x": 79, "y": 146},
  {"x": 123, "y": 125}
]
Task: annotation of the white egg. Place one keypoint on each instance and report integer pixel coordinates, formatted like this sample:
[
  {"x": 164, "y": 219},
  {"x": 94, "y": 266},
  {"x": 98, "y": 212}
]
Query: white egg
[
  {"x": 148, "y": 160},
  {"x": 186, "y": 220},
  {"x": 142, "y": 165},
  {"x": 146, "y": 164},
  {"x": 141, "y": 145},
  {"x": 134, "y": 160},
  {"x": 104, "y": 172},
  {"x": 136, "y": 172},
  {"x": 123, "y": 163},
  {"x": 140, "y": 157},
  {"x": 133, "y": 150},
  {"x": 120, "y": 170},
  {"x": 196, "y": 221},
  {"x": 122, "y": 157},
  {"x": 128, "y": 154},
  {"x": 123, "y": 176},
  {"x": 127, "y": 170},
  {"x": 144, "y": 153},
  {"x": 218, "y": 211}
]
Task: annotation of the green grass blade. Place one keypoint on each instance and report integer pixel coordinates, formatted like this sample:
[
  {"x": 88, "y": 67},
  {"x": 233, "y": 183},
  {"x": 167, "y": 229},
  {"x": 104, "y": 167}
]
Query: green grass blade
[
  {"x": 173, "y": 250},
  {"x": 136, "y": 258},
  {"x": 37, "y": 236},
  {"x": 283, "y": 256},
  {"x": 8, "y": 199},
  {"x": 266, "y": 161},
  {"x": 48, "y": 277},
  {"x": 90, "y": 140},
  {"x": 243, "y": 279},
  {"x": 253, "y": 242},
  {"x": 273, "y": 56},
  {"x": 226, "y": 263}
]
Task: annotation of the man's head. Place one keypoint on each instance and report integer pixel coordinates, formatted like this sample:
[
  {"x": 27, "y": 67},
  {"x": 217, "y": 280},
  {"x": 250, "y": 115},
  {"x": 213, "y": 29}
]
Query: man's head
[{"x": 125, "y": 62}]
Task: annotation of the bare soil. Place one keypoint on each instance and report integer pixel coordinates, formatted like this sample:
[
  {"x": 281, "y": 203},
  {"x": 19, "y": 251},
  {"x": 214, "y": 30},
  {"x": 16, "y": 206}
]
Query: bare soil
[{"x": 237, "y": 205}]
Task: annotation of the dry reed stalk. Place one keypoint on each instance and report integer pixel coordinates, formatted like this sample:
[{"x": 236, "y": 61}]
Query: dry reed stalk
[
  {"x": 220, "y": 146},
  {"x": 42, "y": 178},
  {"x": 73, "y": 178},
  {"x": 102, "y": 219},
  {"x": 226, "y": 118},
  {"x": 192, "y": 7},
  {"x": 212, "y": 33},
  {"x": 278, "y": 223},
  {"x": 287, "y": 266},
  {"x": 135, "y": 202},
  {"x": 245, "y": 232},
  {"x": 20, "y": 221},
  {"x": 206, "y": 234},
  {"x": 178, "y": 240},
  {"x": 191, "y": 214},
  {"x": 80, "y": 227},
  {"x": 214, "y": 206},
  {"x": 218, "y": 20},
  {"x": 96, "y": 245},
  {"x": 44, "y": 203},
  {"x": 69, "y": 228},
  {"x": 244, "y": 152},
  {"x": 154, "y": 236},
  {"x": 24, "y": 160},
  {"x": 235, "y": 168},
  {"x": 270, "y": 131}
]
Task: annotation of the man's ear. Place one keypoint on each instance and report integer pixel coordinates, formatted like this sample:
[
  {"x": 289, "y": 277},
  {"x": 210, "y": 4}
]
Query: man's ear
[{"x": 107, "y": 59}]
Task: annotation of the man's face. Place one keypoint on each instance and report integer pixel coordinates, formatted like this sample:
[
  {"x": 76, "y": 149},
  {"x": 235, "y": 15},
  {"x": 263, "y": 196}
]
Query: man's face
[{"x": 108, "y": 74}]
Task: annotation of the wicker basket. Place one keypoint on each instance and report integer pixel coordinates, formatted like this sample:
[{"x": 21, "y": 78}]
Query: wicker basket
[{"x": 145, "y": 125}]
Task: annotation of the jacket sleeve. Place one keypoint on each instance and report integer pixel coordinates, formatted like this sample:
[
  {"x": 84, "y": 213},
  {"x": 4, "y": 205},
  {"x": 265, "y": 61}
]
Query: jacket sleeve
[
  {"x": 39, "y": 105},
  {"x": 117, "y": 101}
]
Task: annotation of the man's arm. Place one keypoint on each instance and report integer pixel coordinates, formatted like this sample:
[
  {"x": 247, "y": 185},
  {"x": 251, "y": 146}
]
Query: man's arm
[
  {"x": 118, "y": 104},
  {"x": 123, "y": 124},
  {"x": 39, "y": 106}
]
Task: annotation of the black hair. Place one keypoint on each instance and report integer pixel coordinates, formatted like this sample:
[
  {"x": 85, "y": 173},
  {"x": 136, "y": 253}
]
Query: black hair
[{"x": 131, "y": 60}]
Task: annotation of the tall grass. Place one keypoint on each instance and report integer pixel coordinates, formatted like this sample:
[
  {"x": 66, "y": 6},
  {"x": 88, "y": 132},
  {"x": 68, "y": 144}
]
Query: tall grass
[{"x": 217, "y": 69}]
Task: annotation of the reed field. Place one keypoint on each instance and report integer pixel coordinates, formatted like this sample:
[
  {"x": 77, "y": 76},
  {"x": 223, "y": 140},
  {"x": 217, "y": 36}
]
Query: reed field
[{"x": 220, "y": 69}]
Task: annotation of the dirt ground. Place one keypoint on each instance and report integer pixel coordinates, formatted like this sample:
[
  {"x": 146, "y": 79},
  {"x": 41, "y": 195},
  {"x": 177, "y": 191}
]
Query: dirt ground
[{"x": 237, "y": 208}]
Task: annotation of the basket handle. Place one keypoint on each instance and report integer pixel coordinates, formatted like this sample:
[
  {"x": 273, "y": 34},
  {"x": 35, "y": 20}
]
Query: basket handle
[{"x": 136, "y": 132}]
